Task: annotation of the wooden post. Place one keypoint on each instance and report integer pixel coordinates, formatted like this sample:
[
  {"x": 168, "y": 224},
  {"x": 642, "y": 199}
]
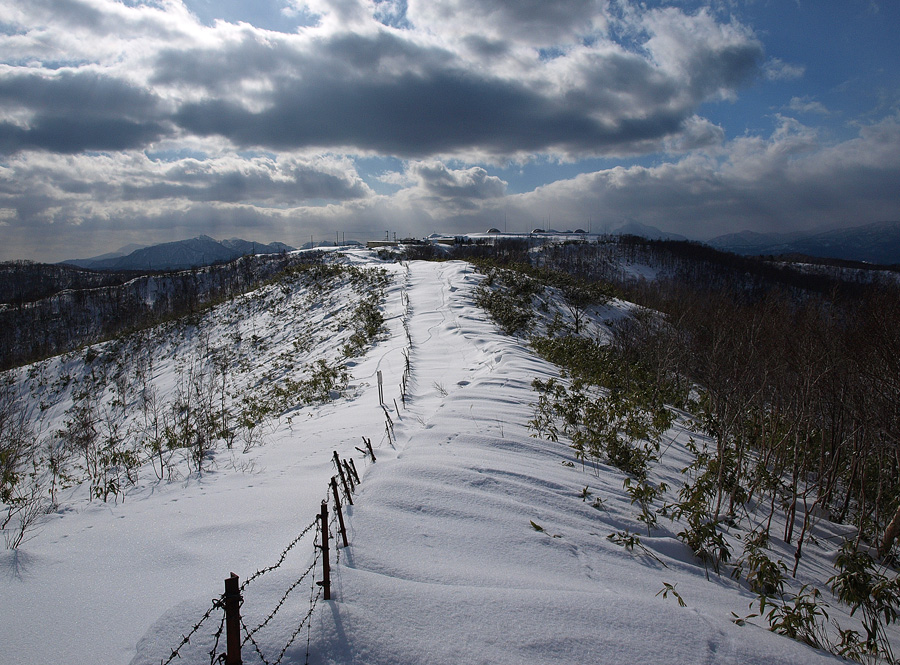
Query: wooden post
[
  {"x": 349, "y": 476},
  {"x": 353, "y": 469},
  {"x": 337, "y": 507},
  {"x": 233, "y": 621},
  {"x": 380, "y": 389},
  {"x": 366, "y": 451},
  {"x": 326, "y": 563},
  {"x": 340, "y": 468}
]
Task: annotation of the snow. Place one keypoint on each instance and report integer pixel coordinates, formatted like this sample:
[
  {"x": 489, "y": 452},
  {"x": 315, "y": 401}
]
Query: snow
[{"x": 444, "y": 565}]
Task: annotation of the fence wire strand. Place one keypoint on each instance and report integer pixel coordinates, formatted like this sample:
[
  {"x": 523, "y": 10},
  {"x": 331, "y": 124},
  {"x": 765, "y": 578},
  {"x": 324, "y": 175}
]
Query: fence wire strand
[
  {"x": 281, "y": 602},
  {"x": 185, "y": 639},
  {"x": 212, "y": 652},
  {"x": 268, "y": 569},
  {"x": 322, "y": 531}
]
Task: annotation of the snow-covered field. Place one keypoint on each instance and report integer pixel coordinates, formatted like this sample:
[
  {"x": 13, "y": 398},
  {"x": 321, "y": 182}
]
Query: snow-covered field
[{"x": 445, "y": 563}]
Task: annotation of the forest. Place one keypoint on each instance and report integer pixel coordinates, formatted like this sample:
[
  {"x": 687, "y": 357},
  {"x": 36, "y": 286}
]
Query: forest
[
  {"x": 46, "y": 310},
  {"x": 795, "y": 377}
]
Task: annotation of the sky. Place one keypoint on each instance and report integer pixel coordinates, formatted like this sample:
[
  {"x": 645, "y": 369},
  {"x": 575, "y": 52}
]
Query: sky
[{"x": 150, "y": 121}]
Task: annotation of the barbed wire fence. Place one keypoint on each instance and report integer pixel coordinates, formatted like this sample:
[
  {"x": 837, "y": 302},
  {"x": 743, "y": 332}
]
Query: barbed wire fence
[{"x": 231, "y": 624}]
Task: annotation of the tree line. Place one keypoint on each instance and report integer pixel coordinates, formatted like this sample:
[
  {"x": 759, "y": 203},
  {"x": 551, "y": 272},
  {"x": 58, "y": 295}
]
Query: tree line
[
  {"x": 99, "y": 306},
  {"x": 795, "y": 382}
]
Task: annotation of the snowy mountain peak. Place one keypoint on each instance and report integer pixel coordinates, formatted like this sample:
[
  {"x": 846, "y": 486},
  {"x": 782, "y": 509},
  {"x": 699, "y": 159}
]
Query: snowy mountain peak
[{"x": 181, "y": 254}]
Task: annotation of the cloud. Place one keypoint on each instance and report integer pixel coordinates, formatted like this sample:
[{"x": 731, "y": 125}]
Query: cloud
[
  {"x": 445, "y": 191},
  {"x": 698, "y": 133},
  {"x": 473, "y": 183},
  {"x": 134, "y": 121},
  {"x": 72, "y": 112},
  {"x": 530, "y": 22},
  {"x": 78, "y": 193},
  {"x": 559, "y": 85},
  {"x": 710, "y": 59},
  {"x": 776, "y": 69},
  {"x": 393, "y": 92},
  {"x": 807, "y": 105},
  {"x": 788, "y": 180}
]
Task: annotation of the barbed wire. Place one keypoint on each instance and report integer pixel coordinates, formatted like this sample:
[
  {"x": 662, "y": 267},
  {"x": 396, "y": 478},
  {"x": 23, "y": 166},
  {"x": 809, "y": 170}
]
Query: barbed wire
[
  {"x": 323, "y": 531},
  {"x": 255, "y": 645},
  {"x": 212, "y": 652},
  {"x": 304, "y": 620},
  {"x": 217, "y": 603},
  {"x": 281, "y": 602},
  {"x": 277, "y": 564}
]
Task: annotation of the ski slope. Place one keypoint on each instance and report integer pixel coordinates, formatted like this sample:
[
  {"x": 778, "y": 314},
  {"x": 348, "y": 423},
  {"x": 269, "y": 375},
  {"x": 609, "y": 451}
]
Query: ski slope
[{"x": 445, "y": 563}]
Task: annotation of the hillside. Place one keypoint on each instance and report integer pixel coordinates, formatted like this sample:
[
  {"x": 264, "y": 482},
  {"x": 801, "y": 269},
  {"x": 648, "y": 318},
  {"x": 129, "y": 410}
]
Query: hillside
[
  {"x": 877, "y": 243},
  {"x": 472, "y": 539},
  {"x": 180, "y": 254}
]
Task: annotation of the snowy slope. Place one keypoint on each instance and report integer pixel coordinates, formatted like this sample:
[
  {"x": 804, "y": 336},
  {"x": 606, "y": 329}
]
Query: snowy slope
[{"x": 444, "y": 563}]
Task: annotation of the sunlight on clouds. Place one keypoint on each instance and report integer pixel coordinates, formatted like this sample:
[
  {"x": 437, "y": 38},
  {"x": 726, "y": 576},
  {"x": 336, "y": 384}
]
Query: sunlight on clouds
[{"x": 125, "y": 114}]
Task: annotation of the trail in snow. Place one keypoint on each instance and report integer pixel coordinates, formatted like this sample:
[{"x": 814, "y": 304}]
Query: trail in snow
[{"x": 443, "y": 565}]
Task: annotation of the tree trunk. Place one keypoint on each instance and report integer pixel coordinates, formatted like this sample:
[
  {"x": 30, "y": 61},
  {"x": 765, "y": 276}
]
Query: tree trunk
[{"x": 890, "y": 534}]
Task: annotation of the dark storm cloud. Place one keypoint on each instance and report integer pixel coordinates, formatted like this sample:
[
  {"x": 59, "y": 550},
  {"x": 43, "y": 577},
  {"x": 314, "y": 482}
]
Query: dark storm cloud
[
  {"x": 283, "y": 187},
  {"x": 67, "y": 134},
  {"x": 386, "y": 91},
  {"x": 533, "y": 21},
  {"x": 406, "y": 115},
  {"x": 396, "y": 92},
  {"x": 77, "y": 111},
  {"x": 414, "y": 115}
]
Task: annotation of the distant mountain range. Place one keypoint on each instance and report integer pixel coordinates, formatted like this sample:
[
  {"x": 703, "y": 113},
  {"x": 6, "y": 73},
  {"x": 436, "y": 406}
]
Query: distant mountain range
[
  {"x": 179, "y": 255},
  {"x": 645, "y": 231},
  {"x": 872, "y": 243}
]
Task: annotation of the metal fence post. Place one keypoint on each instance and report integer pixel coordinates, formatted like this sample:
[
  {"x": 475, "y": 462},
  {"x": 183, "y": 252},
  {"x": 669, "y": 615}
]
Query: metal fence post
[
  {"x": 326, "y": 564},
  {"x": 233, "y": 621},
  {"x": 340, "y": 468},
  {"x": 337, "y": 507}
]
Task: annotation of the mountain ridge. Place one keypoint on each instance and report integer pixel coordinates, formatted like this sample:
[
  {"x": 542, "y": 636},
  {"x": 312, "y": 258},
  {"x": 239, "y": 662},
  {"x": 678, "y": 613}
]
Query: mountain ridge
[
  {"x": 180, "y": 254},
  {"x": 878, "y": 242}
]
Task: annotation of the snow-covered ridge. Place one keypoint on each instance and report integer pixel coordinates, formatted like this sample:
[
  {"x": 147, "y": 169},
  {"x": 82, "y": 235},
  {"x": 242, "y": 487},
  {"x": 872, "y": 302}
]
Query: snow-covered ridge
[{"x": 445, "y": 564}]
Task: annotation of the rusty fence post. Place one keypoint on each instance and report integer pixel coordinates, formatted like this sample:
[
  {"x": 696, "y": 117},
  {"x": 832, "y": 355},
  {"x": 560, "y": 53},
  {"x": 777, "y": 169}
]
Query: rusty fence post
[
  {"x": 340, "y": 468},
  {"x": 233, "y": 621},
  {"x": 349, "y": 476},
  {"x": 337, "y": 507},
  {"x": 326, "y": 564},
  {"x": 368, "y": 450},
  {"x": 353, "y": 469}
]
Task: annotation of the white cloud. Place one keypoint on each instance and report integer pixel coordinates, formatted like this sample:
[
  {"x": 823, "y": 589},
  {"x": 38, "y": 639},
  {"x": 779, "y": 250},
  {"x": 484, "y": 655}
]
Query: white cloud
[
  {"x": 807, "y": 105},
  {"x": 788, "y": 180},
  {"x": 776, "y": 69},
  {"x": 138, "y": 117}
]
